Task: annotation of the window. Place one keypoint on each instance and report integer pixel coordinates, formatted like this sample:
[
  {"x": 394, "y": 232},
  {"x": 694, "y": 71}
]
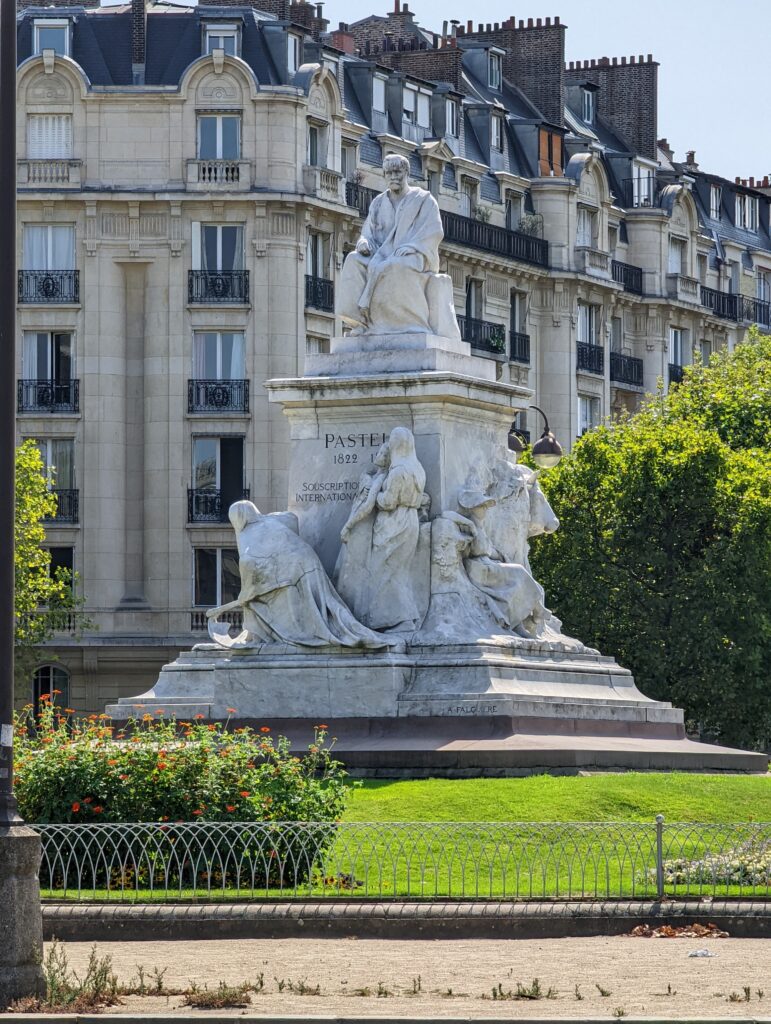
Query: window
[
  {"x": 494, "y": 71},
  {"x": 705, "y": 350},
  {"x": 378, "y": 95},
  {"x": 616, "y": 334},
  {"x": 218, "y": 465},
  {"x": 45, "y": 680},
  {"x": 701, "y": 262},
  {"x": 451, "y": 117},
  {"x": 218, "y": 247},
  {"x": 49, "y": 247},
  {"x": 433, "y": 181},
  {"x": 313, "y": 146},
  {"x": 587, "y": 106},
  {"x": 715, "y": 195},
  {"x": 216, "y": 578},
  {"x": 47, "y": 356},
  {"x": 221, "y": 37},
  {"x": 587, "y": 324},
  {"x": 424, "y": 110},
  {"x": 468, "y": 196},
  {"x": 588, "y": 413},
  {"x": 763, "y": 286},
  {"x": 409, "y": 105},
  {"x": 585, "y": 227},
  {"x": 315, "y": 345},
  {"x": 746, "y": 211},
  {"x": 219, "y": 137},
  {"x": 676, "y": 345},
  {"x": 318, "y": 254},
  {"x": 294, "y": 52},
  {"x": 218, "y": 355},
  {"x": 612, "y": 240},
  {"x": 496, "y": 133},
  {"x": 49, "y": 137},
  {"x": 678, "y": 250},
  {"x": 474, "y": 299},
  {"x": 53, "y": 34},
  {"x": 58, "y": 455},
  {"x": 514, "y": 210},
  {"x": 549, "y": 153},
  {"x": 348, "y": 161}
]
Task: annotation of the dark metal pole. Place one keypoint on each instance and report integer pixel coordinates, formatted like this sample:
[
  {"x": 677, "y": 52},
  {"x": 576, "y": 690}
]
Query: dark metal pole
[{"x": 8, "y": 812}]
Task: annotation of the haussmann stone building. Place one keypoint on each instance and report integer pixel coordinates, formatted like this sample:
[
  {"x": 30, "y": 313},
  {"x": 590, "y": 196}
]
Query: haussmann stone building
[{"x": 189, "y": 182}]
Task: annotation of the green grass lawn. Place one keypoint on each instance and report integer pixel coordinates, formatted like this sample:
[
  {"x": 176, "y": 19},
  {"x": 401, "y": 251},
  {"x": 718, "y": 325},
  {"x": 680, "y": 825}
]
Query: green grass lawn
[{"x": 679, "y": 796}]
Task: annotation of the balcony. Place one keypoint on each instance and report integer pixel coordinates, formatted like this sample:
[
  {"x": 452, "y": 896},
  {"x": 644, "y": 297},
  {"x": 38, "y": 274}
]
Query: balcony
[
  {"x": 55, "y": 620},
  {"x": 48, "y": 173},
  {"x": 218, "y": 396},
  {"x": 639, "y": 192},
  {"x": 67, "y": 506},
  {"x": 200, "y": 624},
  {"x": 723, "y": 304},
  {"x": 592, "y": 261},
  {"x": 319, "y": 293},
  {"x": 513, "y": 245},
  {"x": 212, "y": 287},
  {"x": 590, "y": 358},
  {"x": 675, "y": 373},
  {"x": 484, "y": 337},
  {"x": 414, "y": 132},
  {"x": 48, "y": 286},
  {"x": 379, "y": 122},
  {"x": 48, "y": 396},
  {"x": 519, "y": 347},
  {"x": 210, "y": 505},
  {"x": 754, "y": 311},
  {"x": 323, "y": 183},
  {"x": 626, "y": 370},
  {"x": 222, "y": 175},
  {"x": 684, "y": 289},
  {"x": 631, "y": 278},
  {"x": 359, "y": 197}
]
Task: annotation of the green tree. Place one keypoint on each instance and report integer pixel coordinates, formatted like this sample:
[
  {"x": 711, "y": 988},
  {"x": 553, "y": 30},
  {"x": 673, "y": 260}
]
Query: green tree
[
  {"x": 42, "y": 600},
  {"x": 663, "y": 557}
]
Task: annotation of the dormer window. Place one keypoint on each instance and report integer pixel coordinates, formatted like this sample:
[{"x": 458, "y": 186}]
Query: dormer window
[
  {"x": 410, "y": 104},
  {"x": 494, "y": 71},
  {"x": 221, "y": 37},
  {"x": 53, "y": 34},
  {"x": 294, "y": 52},
  {"x": 451, "y": 118},
  {"x": 378, "y": 95},
  {"x": 715, "y": 196},
  {"x": 746, "y": 211},
  {"x": 587, "y": 106},
  {"x": 496, "y": 133},
  {"x": 424, "y": 109}
]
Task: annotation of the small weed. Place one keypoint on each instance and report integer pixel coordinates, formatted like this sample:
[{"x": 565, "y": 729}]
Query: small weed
[
  {"x": 747, "y": 993},
  {"x": 532, "y": 991},
  {"x": 157, "y": 980},
  {"x": 280, "y": 983},
  {"x": 66, "y": 992},
  {"x": 417, "y": 985},
  {"x": 141, "y": 987},
  {"x": 734, "y": 997},
  {"x": 448, "y": 994},
  {"x": 619, "y": 1011},
  {"x": 759, "y": 993},
  {"x": 382, "y": 991},
  {"x": 302, "y": 988},
  {"x": 604, "y": 992},
  {"x": 577, "y": 993},
  {"x": 223, "y": 997},
  {"x": 259, "y": 985},
  {"x": 366, "y": 991}
]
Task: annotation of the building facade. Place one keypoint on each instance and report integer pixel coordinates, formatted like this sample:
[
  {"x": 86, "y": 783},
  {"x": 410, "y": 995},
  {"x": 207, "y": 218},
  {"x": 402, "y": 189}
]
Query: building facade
[{"x": 189, "y": 182}]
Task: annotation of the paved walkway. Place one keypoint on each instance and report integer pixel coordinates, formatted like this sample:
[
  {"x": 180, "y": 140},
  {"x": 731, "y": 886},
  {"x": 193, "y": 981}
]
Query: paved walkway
[{"x": 653, "y": 978}]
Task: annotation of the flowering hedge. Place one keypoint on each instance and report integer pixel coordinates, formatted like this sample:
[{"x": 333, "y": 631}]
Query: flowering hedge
[{"x": 70, "y": 769}]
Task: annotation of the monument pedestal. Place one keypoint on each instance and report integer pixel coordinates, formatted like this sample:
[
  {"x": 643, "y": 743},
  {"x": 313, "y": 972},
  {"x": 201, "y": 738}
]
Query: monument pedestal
[{"x": 21, "y": 923}]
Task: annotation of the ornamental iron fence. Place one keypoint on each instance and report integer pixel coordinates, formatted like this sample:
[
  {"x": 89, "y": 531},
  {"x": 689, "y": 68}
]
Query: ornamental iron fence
[
  {"x": 477, "y": 234},
  {"x": 483, "y": 335},
  {"x": 319, "y": 293},
  {"x": 210, "y": 505},
  {"x": 629, "y": 276},
  {"x": 519, "y": 347},
  {"x": 359, "y": 196},
  {"x": 67, "y": 505},
  {"x": 590, "y": 357},
  {"x": 216, "y": 396},
  {"x": 48, "y": 396},
  {"x": 44, "y": 286},
  {"x": 675, "y": 373},
  {"x": 410, "y": 860},
  {"x": 214, "y": 286},
  {"x": 626, "y": 369}
]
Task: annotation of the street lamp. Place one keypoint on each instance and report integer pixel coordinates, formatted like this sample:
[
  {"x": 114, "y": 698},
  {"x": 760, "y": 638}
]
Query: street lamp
[{"x": 547, "y": 450}]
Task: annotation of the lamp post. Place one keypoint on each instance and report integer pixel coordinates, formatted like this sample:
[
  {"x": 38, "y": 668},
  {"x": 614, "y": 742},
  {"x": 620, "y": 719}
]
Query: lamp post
[
  {"x": 547, "y": 451},
  {"x": 21, "y": 929}
]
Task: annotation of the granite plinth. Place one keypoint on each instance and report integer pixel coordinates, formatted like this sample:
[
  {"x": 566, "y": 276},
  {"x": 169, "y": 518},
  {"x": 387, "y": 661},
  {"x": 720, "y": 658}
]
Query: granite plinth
[{"x": 21, "y": 923}]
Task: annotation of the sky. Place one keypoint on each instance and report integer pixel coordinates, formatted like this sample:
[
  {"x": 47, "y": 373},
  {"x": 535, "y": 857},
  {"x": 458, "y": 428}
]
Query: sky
[{"x": 714, "y": 81}]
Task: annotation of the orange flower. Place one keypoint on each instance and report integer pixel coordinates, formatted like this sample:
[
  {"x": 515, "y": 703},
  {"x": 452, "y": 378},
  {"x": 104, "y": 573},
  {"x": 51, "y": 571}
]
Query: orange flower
[
  {"x": 264, "y": 728},
  {"x": 97, "y": 809},
  {"x": 88, "y": 799},
  {"x": 164, "y": 817},
  {"x": 161, "y": 765},
  {"x": 112, "y": 761},
  {"x": 322, "y": 726},
  {"x": 199, "y": 715},
  {"x": 69, "y": 711},
  {"x": 56, "y": 691},
  {"x": 45, "y": 696},
  {"x": 197, "y": 812},
  {"x": 76, "y": 807},
  {"x": 123, "y": 777},
  {"x": 245, "y": 793},
  {"x": 231, "y": 711},
  {"x": 230, "y": 807},
  {"x": 147, "y": 718},
  {"x": 159, "y": 711}
]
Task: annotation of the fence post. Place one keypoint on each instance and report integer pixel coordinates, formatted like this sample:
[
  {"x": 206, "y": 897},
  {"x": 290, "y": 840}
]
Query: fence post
[{"x": 660, "y": 856}]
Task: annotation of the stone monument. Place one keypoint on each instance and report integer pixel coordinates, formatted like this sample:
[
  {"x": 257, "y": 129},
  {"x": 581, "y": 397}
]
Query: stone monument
[{"x": 393, "y": 600}]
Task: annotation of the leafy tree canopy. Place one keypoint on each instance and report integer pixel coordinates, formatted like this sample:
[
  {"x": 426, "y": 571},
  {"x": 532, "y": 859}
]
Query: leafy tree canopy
[{"x": 663, "y": 557}]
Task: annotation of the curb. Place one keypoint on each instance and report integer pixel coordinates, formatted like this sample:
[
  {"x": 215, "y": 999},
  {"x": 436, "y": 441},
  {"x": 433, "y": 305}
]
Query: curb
[
  {"x": 391, "y": 920},
  {"x": 246, "y": 1018}
]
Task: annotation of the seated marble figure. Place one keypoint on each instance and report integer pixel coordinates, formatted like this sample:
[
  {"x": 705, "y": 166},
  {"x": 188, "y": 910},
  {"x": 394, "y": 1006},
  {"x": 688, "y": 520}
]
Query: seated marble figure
[{"x": 390, "y": 284}]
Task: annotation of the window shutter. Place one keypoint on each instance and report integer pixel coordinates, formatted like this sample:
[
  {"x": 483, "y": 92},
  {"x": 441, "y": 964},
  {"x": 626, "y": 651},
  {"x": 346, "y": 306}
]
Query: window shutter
[
  {"x": 196, "y": 245},
  {"x": 49, "y": 137}
]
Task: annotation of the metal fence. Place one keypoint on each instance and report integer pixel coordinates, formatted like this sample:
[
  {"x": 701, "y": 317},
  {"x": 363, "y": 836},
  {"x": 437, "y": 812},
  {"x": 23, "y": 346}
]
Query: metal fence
[{"x": 411, "y": 860}]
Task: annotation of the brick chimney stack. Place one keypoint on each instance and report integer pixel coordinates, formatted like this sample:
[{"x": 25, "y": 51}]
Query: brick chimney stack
[
  {"x": 278, "y": 8},
  {"x": 138, "y": 40},
  {"x": 342, "y": 39}
]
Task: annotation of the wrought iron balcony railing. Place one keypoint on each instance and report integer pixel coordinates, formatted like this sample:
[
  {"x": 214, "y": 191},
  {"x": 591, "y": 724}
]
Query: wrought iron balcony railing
[
  {"x": 626, "y": 369},
  {"x": 210, "y": 505},
  {"x": 320, "y": 293},
  {"x": 628, "y": 276},
  {"x": 199, "y": 622},
  {"x": 755, "y": 311},
  {"x": 590, "y": 358},
  {"x": 359, "y": 196},
  {"x": 48, "y": 396},
  {"x": 722, "y": 304},
  {"x": 216, "y": 396},
  {"x": 675, "y": 373},
  {"x": 67, "y": 505},
  {"x": 44, "y": 286},
  {"x": 483, "y": 336},
  {"x": 519, "y": 347},
  {"x": 215, "y": 286},
  {"x": 477, "y": 234}
]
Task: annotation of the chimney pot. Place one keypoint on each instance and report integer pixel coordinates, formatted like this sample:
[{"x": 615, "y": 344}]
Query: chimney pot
[
  {"x": 752, "y": 183},
  {"x": 496, "y": 26},
  {"x": 632, "y": 59},
  {"x": 615, "y": 62},
  {"x": 529, "y": 22},
  {"x": 488, "y": 27},
  {"x": 469, "y": 26},
  {"x": 557, "y": 20},
  {"x": 548, "y": 22},
  {"x": 623, "y": 61},
  {"x": 641, "y": 59},
  {"x": 537, "y": 22},
  {"x": 650, "y": 58},
  {"x": 594, "y": 62},
  {"x": 521, "y": 23}
]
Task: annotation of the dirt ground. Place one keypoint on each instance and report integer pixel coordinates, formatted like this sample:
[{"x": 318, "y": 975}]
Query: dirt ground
[{"x": 455, "y": 978}]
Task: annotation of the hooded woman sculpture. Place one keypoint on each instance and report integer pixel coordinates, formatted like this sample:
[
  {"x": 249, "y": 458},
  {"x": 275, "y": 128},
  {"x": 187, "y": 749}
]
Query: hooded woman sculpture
[{"x": 285, "y": 595}]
